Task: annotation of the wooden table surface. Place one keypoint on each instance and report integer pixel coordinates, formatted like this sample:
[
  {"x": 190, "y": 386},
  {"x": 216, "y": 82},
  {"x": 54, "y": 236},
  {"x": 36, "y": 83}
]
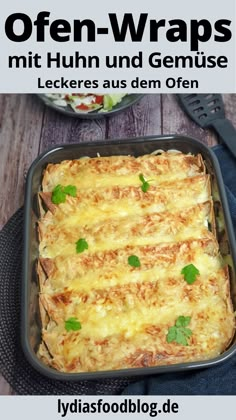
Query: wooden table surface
[{"x": 27, "y": 128}]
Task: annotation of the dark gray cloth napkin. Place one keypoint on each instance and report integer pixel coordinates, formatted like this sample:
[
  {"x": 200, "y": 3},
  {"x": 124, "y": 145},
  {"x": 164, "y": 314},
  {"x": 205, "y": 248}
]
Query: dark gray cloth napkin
[{"x": 218, "y": 380}]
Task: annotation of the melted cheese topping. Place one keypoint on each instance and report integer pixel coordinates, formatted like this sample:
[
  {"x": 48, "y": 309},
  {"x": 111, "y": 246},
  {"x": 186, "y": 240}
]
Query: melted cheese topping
[
  {"x": 125, "y": 312},
  {"x": 59, "y": 237},
  {"x": 121, "y": 170}
]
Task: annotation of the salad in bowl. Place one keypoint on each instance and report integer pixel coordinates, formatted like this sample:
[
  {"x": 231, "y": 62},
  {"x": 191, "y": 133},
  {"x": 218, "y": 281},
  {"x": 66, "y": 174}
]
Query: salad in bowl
[
  {"x": 89, "y": 102},
  {"x": 89, "y": 105}
]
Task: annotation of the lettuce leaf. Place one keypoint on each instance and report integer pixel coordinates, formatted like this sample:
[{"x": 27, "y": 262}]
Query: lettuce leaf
[{"x": 109, "y": 101}]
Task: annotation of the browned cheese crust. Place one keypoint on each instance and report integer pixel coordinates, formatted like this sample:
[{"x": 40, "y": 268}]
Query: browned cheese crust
[{"x": 125, "y": 312}]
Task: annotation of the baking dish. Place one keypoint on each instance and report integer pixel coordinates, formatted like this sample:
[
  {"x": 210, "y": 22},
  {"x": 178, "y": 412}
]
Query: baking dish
[{"x": 31, "y": 326}]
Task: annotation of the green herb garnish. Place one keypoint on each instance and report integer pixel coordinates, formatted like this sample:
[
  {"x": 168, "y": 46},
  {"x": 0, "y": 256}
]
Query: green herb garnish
[
  {"x": 134, "y": 261},
  {"x": 72, "y": 324},
  {"x": 81, "y": 245},
  {"x": 70, "y": 190},
  {"x": 179, "y": 333},
  {"x": 190, "y": 273},
  {"x": 145, "y": 185},
  {"x": 59, "y": 193}
]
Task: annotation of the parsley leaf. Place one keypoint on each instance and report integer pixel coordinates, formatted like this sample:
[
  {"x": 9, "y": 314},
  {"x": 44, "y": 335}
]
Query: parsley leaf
[
  {"x": 81, "y": 245},
  {"x": 58, "y": 195},
  {"x": 190, "y": 273},
  {"x": 179, "y": 333},
  {"x": 145, "y": 185},
  {"x": 70, "y": 190},
  {"x": 142, "y": 179},
  {"x": 134, "y": 261},
  {"x": 72, "y": 324},
  {"x": 183, "y": 321},
  {"x": 171, "y": 336}
]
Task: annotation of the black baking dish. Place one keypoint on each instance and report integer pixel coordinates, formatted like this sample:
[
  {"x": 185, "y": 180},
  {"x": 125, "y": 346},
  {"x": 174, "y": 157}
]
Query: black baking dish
[{"x": 31, "y": 328}]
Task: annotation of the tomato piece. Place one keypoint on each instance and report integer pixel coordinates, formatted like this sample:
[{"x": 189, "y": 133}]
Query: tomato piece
[
  {"x": 83, "y": 107},
  {"x": 98, "y": 99}
]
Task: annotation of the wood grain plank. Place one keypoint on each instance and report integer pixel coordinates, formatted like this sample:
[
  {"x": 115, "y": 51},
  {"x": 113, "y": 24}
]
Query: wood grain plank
[
  {"x": 27, "y": 128},
  {"x": 175, "y": 121},
  {"x": 60, "y": 129},
  {"x": 142, "y": 119},
  {"x": 230, "y": 107},
  {"x": 20, "y": 129}
]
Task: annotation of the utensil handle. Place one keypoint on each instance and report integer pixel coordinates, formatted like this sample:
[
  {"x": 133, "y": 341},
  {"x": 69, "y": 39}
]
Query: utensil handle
[{"x": 227, "y": 133}]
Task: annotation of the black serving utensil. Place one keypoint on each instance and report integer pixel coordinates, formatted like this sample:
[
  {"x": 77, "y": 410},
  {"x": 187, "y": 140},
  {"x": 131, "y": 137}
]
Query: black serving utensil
[{"x": 207, "y": 110}]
